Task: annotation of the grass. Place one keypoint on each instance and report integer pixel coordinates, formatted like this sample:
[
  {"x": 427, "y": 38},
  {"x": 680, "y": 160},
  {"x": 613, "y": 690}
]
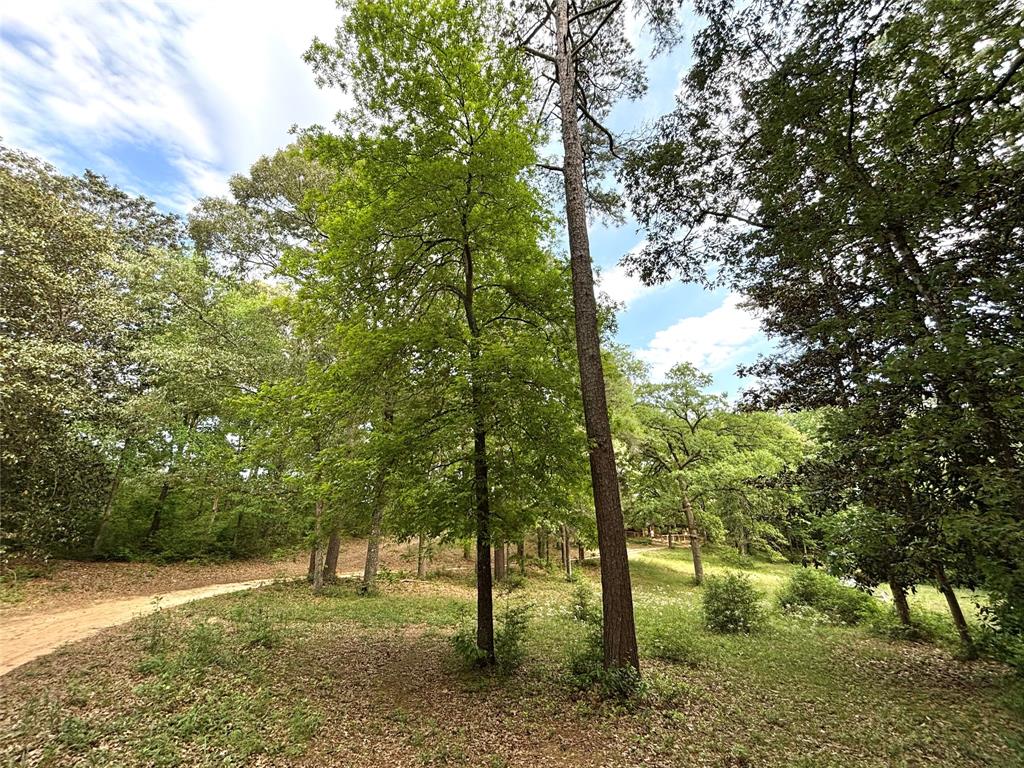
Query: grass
[{"x": 279, "y": 677}]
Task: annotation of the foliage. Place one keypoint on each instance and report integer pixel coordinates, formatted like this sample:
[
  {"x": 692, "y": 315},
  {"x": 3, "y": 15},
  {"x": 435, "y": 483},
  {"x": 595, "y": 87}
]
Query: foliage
[
  {"x": 810, "y": 588},
  {"x": 858, "y": 187},
  {"x": 730, "y": 604}
]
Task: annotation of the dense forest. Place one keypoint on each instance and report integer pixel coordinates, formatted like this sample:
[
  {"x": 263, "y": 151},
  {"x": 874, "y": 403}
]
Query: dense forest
[{"x": 388, "y": 330}]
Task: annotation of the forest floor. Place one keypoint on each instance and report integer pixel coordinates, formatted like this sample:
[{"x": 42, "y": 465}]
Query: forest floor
[
  {"x": 64, "y": 601},
  {"x": 278, "y": 677}
]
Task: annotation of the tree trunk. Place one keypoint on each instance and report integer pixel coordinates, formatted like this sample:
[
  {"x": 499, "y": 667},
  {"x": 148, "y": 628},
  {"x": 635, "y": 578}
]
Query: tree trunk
[
  {"x": 521, "y": 556},
  {"x": 238, "y": 530},
  {"x": 373, "y": 544},
  {"x": 484, "y": 586},
  {"x": 421, "y": 563},
  {"x": 899, "y": 599},
  {"x": 312, "y": 564},
  {"x": 154, "y": 524},
  {"x": 691, "y": 530},
  {"x": 582, "y": 552},
  {"x": 619, "y": 633},
  {"x": 567, "y": 551},
  {"x": 670, "y": 538},
  {"x": 319, "y": 550},
  {"x": 109, "y": 505},
  {"x": 499, "y": 562},
  {"x": 954, "y": 610},
  {"x": 331, "y": 559},
  {"x": 213, "y": 515},
  {"x": 467, "y": 549}
]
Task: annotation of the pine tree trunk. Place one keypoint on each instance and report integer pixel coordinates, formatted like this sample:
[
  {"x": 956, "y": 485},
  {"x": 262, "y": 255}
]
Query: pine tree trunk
[
  {"x": 899, "y": 599},
  {"x": 619, "y": 632},
  {"x": 331, "y": 559},
  {"x": 691, "y": 530},
  {"x": 955, "y": 611}
]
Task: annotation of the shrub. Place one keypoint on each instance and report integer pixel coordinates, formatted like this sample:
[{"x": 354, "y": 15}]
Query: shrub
[
  {"x": 510, "y": 636},
  {"x": 734, "y": 559},
  {"x": 585, "y": 607},
  {"x": 512, "y": 582},
  {"x": 509, "y": 639},
  {"x": 731, "y": 604},
  {"x": 925, "y": 627},
  {"x": 808, "y": 588},
  {"x": 587, "y": 672}
]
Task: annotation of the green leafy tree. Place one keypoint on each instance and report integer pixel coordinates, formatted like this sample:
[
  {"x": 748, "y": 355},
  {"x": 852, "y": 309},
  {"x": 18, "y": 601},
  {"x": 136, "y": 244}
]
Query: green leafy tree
[
  {"x": 862, "y": 184},
  {"x": 434, "y": 265}
]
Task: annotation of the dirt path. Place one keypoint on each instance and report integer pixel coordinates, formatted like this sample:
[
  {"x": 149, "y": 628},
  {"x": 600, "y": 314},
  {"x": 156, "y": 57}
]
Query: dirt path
[{"x": 26, "y": 638}]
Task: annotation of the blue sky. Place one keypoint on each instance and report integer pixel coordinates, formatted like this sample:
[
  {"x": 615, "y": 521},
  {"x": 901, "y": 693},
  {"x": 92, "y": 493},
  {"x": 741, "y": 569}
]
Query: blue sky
[{"x": 170, "y": 99}]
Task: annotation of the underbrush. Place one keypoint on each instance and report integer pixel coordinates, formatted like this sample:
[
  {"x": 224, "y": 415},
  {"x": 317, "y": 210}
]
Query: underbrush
[
  {"x": 731, "y": 604},
  {"x": 810, "y": 590}
]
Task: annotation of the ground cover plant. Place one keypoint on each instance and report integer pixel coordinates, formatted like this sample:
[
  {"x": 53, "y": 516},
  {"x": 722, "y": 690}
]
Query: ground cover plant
[{"x": 282, "y": 677}]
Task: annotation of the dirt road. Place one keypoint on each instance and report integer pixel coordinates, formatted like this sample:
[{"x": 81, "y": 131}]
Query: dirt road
[{"x": 25, "y": 638}]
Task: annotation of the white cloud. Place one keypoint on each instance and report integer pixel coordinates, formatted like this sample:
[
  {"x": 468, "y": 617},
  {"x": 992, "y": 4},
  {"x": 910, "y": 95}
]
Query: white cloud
[
  {"x": 209, "y": 86},
  {"x": 710, "y": 342},
  {"x": 621, "y": 287}
]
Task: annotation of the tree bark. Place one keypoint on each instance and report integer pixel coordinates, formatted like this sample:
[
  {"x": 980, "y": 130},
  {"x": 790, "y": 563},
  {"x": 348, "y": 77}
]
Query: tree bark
[
  {"x": 484, "y": 585},
  {"x": 521, "y": 556},
  {"x": 214, "y": 510},
  {"x": 566, "y": 551},
  {"x": 154, "y": 524},
  {"x": 899, "y": 600},
  {"x": 373, "y": 542},
  {"x": 500, "y": 567},
  {"x": 619, "y": 631},
  {"x": 319, "y": 550},
  {"x": 115, "y": 483},
  {"x": 670, "y": 538},
  {"x": 691, "y": 531},
  {"x": 331, "y": 559},
  {"x": 421, "y": 561},
  {"x": 581, "y": 551},
  {"x": 955, "y": 611}
]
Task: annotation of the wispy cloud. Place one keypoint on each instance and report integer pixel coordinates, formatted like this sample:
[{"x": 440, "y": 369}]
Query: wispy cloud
[
  {"x": 711, "y": 342},
  {"x": 620, "y": 286},
  {"x": 201, "y": 88}
]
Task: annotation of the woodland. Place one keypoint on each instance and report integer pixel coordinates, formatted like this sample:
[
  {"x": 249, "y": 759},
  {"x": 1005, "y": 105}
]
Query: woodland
[{"x": 388, "y": 335}]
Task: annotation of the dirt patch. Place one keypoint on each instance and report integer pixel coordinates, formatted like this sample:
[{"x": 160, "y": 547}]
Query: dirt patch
[
  {"x": 77, "y": 600},
  {"x": 72, "y": 584}
]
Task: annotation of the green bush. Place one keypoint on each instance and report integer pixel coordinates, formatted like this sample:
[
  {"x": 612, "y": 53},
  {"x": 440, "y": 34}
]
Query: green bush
[
  {"x": 808, "y": 588},
  {"x": 925, "y": 627},
  {"x": 587, "y": 672},
  {"x": 509, "y": 639},
  {"x": 734, "y": 559},
  {"x": 731, "y": 604},
  {"x": 510, "y": 636},
  {"x": 585, "y": 606}
]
